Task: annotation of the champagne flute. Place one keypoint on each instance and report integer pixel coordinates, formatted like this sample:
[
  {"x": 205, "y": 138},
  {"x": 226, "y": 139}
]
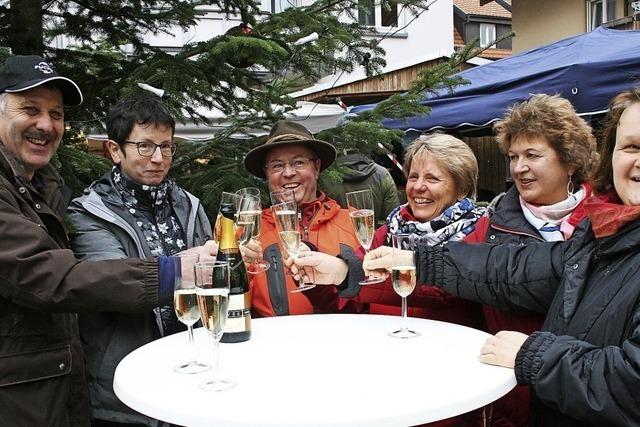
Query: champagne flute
[
  {"x": 186, "y": 306},
  {"x": 213, "y": 281},
  {"x": 403, "y": 275},
  {"x": 284, "y": 195},
  {"x": 286, "y": 216},
  {"x": 250, "y": 215},
  {"x": 253, "y": 191},
  {"x": 362, "y": 216},
  {"x": 226, "y": 200}
]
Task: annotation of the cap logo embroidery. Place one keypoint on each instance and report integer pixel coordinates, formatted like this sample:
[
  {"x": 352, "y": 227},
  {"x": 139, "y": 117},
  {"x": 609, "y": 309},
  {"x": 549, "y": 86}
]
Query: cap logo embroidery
[{"x": 44, "y": 67}]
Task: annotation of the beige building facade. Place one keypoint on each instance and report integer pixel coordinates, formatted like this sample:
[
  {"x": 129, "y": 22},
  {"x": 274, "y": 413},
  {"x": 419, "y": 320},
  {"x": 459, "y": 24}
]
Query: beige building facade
[{"x": 540, "y": 22}]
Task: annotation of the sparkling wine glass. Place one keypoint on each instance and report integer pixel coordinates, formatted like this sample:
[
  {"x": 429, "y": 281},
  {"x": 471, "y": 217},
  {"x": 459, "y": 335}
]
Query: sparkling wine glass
[
  {"x": 286, "y": 217},
  {"x": 362, "y": 216},
  {"x": 213, "y": 281},
  {"x": 280, "y": 196},
  {"x": 226, "y": 200},
  {"x": 249, "y": 218},
  {"x": 253, "y": 191},
  {"x": 403, "y": 275},
  {"x": 186, "y": 307}
]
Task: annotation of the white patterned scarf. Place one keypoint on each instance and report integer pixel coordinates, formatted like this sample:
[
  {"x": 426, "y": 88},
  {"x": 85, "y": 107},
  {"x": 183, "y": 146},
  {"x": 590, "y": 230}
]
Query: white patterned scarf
[
  {"x": 454, "y": 223},
  {"x": 552, "y": 221},
  {"x": 151, "y": 209}
]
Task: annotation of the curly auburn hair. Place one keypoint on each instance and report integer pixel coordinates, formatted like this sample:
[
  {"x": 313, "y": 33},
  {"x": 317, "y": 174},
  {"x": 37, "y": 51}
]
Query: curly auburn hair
[
  {"x": 555, "y": 119},
  {"x": 602, "y": 178},
  {"x": 451, "y": 154}
]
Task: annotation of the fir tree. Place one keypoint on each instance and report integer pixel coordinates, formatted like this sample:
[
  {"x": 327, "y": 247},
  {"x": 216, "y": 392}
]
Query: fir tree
[{"x": 208, "y": 74}]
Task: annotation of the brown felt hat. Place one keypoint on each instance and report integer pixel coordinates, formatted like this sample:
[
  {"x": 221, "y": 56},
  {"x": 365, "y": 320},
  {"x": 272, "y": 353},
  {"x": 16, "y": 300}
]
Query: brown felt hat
[{"x": 287, "y": 132}]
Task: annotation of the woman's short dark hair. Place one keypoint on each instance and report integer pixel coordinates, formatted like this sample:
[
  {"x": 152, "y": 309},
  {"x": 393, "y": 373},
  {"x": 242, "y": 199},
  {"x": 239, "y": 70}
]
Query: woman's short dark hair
[
  {"x": 555, "y": 119},
  {"x": 141, "y": 110},
  {"x": 602, "y": 178}
]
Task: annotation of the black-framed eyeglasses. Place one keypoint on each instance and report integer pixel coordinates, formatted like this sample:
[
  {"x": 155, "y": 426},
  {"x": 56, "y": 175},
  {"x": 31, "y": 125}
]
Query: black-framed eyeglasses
[
  {"x": 146, "y": 148},
  {"x": 278, "y": 166}
]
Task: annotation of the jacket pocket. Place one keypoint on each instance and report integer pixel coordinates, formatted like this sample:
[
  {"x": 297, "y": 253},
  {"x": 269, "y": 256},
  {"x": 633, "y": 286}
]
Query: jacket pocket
[{"x": 34, "y": 366}]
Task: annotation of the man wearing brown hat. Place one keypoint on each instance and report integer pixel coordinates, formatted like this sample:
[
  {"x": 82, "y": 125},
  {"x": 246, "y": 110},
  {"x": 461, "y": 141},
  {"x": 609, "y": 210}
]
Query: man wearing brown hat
[
  {"x": 292, "y": 158},
  {"x": 42, "y": 381}
]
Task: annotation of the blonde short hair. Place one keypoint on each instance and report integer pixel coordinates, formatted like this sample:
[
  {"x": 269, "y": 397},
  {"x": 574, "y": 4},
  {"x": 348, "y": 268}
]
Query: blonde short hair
[{"x": 452, "y": 155}]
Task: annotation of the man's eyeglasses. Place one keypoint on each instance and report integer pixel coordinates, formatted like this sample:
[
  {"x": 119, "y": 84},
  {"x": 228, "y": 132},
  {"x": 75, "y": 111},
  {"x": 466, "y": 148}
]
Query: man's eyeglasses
[
  {"x": 298, "y": 163},
  {"x": 146, "y": 149}
]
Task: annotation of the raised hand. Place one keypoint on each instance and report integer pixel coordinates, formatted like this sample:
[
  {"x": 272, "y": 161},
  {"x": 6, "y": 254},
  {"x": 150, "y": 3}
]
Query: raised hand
[
  {"x": 207, "y": 252},
  {"x": 502, "y": 348},
  {"x": 251, "y": 252},
  {"x": 323, "y": 269},
  {"x": 378, "y": 262}
]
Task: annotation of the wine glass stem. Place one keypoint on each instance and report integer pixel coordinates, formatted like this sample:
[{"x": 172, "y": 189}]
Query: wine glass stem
[
  {"x": 404, "y": 313},
  {"x": 192, "y": 345},
  {"x": 216, "y": 358}
]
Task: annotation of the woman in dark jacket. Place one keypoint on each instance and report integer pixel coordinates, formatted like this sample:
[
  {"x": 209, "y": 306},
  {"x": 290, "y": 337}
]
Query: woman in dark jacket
[
  {"x": 551, "y": 151},
  {"x": 583, "y": 365}
]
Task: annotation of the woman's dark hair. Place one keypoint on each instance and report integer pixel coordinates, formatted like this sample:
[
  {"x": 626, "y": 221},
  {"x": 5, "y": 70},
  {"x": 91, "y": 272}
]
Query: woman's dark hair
[
  {"x": 602, "y": 178},
  {"x": 141, "y": 110}
]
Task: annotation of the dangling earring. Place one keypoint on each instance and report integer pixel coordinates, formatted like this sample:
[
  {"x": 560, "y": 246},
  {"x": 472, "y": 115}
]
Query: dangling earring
[{"x": 570, "y": 187}]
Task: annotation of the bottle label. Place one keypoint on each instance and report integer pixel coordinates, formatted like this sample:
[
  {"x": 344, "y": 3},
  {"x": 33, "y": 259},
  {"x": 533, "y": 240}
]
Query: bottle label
[{"x": 239, "y": 313}]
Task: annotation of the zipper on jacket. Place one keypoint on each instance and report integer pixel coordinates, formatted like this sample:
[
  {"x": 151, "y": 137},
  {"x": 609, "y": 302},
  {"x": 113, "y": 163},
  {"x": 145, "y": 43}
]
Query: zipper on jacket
[{"x": 511, "y": 231}]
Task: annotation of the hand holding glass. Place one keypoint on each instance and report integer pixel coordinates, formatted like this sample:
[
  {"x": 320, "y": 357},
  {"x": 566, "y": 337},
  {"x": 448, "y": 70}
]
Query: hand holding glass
[
  {"x": 362, "y": 216},
  {"x": 403, "y": 275},
  {"x": 286, "y": 217},
  {"x": 213, "y": 281},
  {"x": 186, "y": 306}
]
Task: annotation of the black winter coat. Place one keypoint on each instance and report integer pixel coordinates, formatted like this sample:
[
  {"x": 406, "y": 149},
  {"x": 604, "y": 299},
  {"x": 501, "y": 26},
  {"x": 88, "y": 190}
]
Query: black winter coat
[{"x": 584, "y": 365}]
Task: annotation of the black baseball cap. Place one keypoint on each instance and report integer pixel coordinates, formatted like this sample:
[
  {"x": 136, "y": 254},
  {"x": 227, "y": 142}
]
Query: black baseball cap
[{"x": 20, "y": 73}]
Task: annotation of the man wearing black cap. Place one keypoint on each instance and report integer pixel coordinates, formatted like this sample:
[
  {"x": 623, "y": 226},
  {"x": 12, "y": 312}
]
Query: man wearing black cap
[{"x": 42, "y": 381}]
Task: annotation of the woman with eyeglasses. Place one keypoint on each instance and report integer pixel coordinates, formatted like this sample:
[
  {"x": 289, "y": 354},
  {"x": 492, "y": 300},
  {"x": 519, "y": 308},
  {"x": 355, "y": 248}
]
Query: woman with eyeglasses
[
  {"x": 133, "y": 211},
  {"x": 292, "y": 159}
]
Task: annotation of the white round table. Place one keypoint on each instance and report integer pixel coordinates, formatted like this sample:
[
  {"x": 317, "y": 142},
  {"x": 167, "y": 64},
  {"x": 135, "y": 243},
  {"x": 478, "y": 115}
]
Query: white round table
[{"x": 318, "y": 370}]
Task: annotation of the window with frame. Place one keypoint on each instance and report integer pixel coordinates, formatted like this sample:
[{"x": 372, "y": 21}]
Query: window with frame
[
  {"x": 376, "y": 15},
  {"x": 599, "y": 12},
  {"x": 487, "y": 34}
]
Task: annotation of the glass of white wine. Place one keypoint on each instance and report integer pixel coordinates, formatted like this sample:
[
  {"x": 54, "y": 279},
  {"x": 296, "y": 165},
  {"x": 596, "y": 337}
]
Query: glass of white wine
[
  {"x": 227, "y": 199},
  {"x": 280, "y": 196},
  {"x": 249, "y": 218},
  {"x": 361, "y": 212},
  {"x": 186, "y": 307},
  {"x": 403, "y": 275},
  {"x": 213, "y": 281},
  {"x": 286, "y": 217}
]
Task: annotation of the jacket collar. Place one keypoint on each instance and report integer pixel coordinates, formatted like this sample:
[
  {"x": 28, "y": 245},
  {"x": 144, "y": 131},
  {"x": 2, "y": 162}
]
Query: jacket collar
[
  {"x": 508, "y": 214},
  {"x": 608, "y": 215},
  {"x": 51, "y": 187},
  {"x": 11, "y": 164}
]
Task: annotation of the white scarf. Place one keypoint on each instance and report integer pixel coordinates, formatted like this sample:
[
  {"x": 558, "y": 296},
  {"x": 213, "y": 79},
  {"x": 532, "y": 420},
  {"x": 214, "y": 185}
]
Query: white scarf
[{"x": 552, "y": 221}]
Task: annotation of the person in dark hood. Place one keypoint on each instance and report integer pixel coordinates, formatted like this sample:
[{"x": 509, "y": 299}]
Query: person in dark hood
[{"x": 363, "y": 173}]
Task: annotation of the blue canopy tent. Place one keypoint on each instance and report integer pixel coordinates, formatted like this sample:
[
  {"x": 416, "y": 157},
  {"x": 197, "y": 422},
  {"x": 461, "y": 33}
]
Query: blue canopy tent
[{"x": 587, "y": 69}]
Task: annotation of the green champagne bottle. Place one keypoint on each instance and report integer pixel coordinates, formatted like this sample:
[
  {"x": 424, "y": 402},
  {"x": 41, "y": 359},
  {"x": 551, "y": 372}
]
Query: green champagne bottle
[{"x": 238, "y": 326}]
